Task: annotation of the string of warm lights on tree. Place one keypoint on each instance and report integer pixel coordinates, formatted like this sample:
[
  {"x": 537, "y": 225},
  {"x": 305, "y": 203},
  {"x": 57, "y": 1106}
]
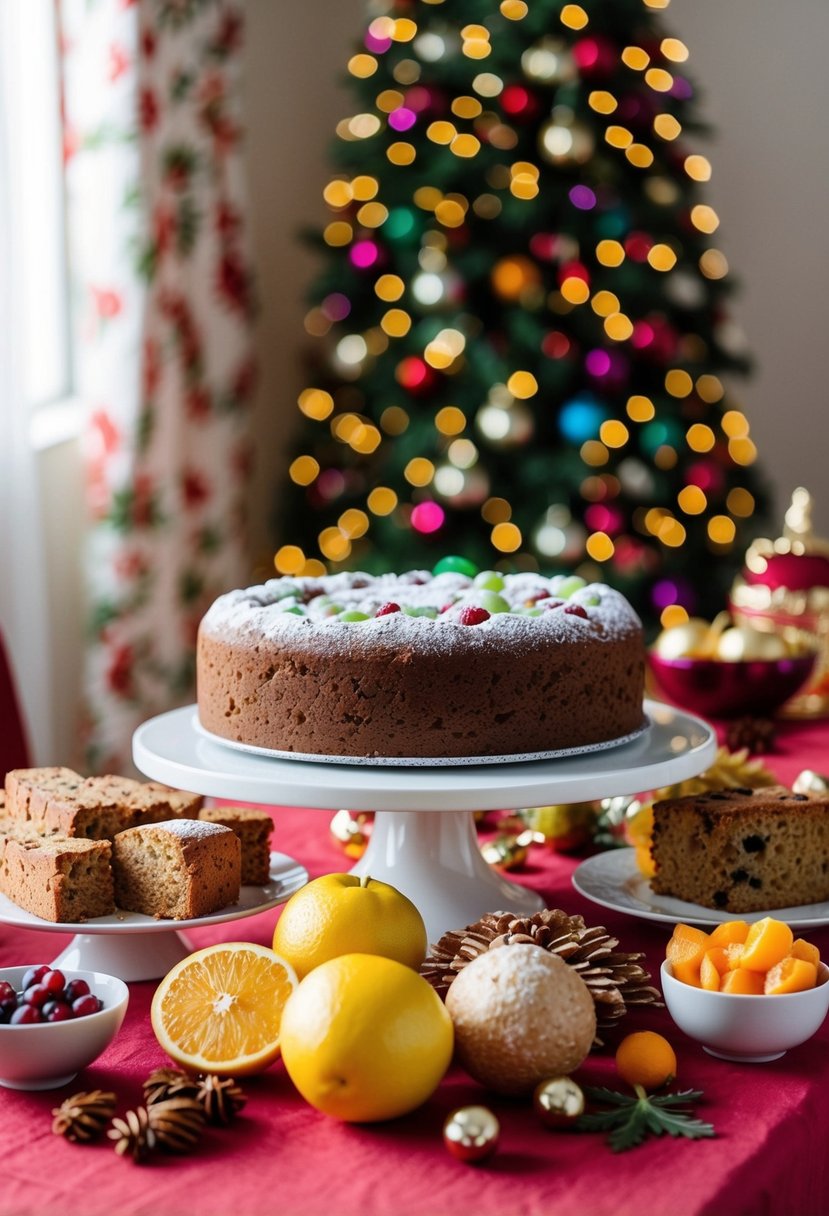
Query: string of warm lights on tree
[{"x": 520, "y": 327}]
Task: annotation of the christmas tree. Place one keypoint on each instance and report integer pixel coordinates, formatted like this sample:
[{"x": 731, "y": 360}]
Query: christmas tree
[{"x": 521, "y": 326}]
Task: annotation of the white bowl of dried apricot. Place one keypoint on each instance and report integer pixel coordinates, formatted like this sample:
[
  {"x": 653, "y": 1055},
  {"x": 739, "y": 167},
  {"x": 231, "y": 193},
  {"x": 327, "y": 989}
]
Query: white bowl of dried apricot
[{"x": 745, "y": 992}]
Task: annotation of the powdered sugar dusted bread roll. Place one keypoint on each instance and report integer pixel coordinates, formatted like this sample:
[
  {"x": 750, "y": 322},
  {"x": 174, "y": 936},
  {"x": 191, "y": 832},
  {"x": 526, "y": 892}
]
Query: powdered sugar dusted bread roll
[
  {"x": 180, "y": 868},
  {"x": 416, "y": 665}
]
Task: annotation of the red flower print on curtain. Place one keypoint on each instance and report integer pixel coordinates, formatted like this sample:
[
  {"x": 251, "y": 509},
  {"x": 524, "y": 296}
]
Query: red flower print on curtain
[{"x": 164, "y": 302}]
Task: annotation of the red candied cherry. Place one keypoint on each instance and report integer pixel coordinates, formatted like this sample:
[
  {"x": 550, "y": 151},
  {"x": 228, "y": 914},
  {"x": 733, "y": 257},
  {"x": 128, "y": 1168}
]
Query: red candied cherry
[
  {"x": 85, "y": 1005},
  {"x": 74, "y": 989},
  {"x": 552, "y": 603},
  {"x": 575, "y": 610},
  {"x": 25, "y": 1015},
  {"x": 387, "y": 609},
  {"x": 36, "y": 995},
  {"x": 34, "y": 975},
  {"x": 54, "y": 982},
  {"x": 473, "y": 616},
  {"x": 57, "y": 1011},
  {"x": 537, "y": 598}
]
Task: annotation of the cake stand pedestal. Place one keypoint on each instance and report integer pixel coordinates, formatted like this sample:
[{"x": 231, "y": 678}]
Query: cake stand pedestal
[{"x": 424, "y": 840}]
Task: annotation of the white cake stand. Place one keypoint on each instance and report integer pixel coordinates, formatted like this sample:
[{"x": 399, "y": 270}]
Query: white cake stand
[{"x": 433, "y": 858}]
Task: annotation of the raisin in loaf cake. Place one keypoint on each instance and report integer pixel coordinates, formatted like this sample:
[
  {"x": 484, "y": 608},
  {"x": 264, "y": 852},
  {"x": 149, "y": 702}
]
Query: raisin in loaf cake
[
  {"x": 416, "y": 665},
  {"x": 742, "y": 850}
]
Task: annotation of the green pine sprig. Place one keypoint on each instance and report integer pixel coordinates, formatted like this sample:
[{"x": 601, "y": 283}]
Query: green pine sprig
[{"x": 631, "y": 1118}]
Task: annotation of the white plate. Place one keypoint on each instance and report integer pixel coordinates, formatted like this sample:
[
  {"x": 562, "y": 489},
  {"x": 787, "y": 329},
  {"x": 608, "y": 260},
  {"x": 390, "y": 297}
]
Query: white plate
[
  {"x": 420, "y": 761},
  {"x": 677, "y": 745},
  {"x": 286, "y": 877},
  {"x": 614, "y": 880}
]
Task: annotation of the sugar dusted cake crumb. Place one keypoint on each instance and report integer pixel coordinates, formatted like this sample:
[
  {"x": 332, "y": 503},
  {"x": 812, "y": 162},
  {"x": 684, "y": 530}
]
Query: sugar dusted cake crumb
[{"x": 180, "y": 868}]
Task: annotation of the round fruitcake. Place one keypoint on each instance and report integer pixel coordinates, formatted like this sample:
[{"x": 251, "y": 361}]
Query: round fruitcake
[{"x": 421, "y": 665}]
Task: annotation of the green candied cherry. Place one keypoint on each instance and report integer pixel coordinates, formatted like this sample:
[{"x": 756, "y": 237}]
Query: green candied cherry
[
  {"x": 490, "y": 580},
  {"x": 455, "y": 565},
  {"x": 426, "y": 611},
  {"x": 294, "y": 610},
  {"x": 529, "y": 611},
  {"x": 288, "y": 589},
  {"x": 492, "y": 602},
  {"x": 591, "y": 601},
  {"x": 569, "y": 585},
  {"x": 332, "y": 609},
  {"x": 351, "y": 614}
]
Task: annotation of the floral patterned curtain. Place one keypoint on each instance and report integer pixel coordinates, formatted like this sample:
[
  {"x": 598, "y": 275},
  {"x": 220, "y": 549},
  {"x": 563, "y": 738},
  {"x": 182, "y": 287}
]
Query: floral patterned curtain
[{"x": 163, "y": 304}]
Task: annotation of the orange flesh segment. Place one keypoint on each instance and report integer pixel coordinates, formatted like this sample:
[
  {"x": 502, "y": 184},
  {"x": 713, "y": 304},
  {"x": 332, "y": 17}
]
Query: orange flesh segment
[
  {"x": 734, "y": 953},
  {"x": 741, "y": 982},
  {"x": 728, "y": 932},
  {"x": 688, "y": 973},
  {"x": 806, "y": 951},
  {"x": 687, "y": 945},
  {"x": 768, "y": 942},
  {"x": 790, "y": 975},
  {"x": 709, "y": 974}
]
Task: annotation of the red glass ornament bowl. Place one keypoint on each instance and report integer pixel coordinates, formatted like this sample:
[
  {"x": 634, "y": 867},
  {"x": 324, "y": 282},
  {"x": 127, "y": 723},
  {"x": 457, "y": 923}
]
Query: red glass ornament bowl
[{"x": 717, "y": 689}]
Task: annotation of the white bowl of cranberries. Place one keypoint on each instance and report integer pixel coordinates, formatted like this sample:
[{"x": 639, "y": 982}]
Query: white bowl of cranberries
[{"x": 55, "y": 1022}]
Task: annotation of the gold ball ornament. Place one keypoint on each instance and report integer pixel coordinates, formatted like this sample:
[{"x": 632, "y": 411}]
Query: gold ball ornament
[
  {"x": 741, "y": 644},
  {"x": 507, "y": 852},
  {"x": 351, "y": 831},
  {"x": 558, "y": 1102},
  {"x": 682, "y": 641},
  {"x": 521, "y": 1015},
  {"x": 471, "y": 1133}
]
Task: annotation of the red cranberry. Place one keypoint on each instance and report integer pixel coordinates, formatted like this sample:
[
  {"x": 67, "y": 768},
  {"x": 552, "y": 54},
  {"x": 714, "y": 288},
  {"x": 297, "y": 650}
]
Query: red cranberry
[
  {"x": 34, "y": 975},
  {"x": 575, "y": 610},
  {"x": 85, "y": 1005},
  {"x": 25, "y": 1015},
  {"x": 36, "y": 995},
  {"x": 7, "y": 992},
  {"x": 387, "y": 608},
  {"x": 473, "y": 616},
  {"x": 57, "y": 1011},
  {"x": 74, "y": 989},
  {"x": 54, "y": 981}
]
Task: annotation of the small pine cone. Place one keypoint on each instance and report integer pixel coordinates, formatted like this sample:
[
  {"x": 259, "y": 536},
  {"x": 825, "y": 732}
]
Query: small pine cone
[
  {"x": 177, "y": 1123},
  {"x": 755, "y": 734},
  {"x": 133, "y": 1135},
  {"x": 83, "y": 1116},
  {"x": 221, "y": 1098},
  {"x": 166, "y": 1083}
]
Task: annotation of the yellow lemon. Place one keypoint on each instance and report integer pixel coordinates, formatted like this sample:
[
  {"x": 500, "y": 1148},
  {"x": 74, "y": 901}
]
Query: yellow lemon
[
  {"x": 219, "y": 1009},
  {"x": 365, "y": 1038},
  {"x": 343, "y": 914}
]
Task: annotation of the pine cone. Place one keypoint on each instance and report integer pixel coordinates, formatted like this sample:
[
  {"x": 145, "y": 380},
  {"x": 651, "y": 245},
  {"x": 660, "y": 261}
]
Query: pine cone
[
  {"x": 177, "y": 1123},
  {"x": 221, "y": 1099},
  {"x": 83, "y": 1116},
  {"x": 615, "y": 979},
  {"x": 166, "y": 1083},
  {"x": 133, "y": 1135},
  {"x": 755, "y": 734}
]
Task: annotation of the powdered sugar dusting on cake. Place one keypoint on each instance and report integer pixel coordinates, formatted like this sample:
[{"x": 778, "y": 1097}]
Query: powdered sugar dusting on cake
[
  {"x": 186, "y": 829},
  {"x": 310, "y": 610}
]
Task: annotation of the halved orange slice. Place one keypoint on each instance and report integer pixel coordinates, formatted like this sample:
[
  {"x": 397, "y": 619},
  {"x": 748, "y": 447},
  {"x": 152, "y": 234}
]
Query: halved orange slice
[{"x": 219, "y": 1010}]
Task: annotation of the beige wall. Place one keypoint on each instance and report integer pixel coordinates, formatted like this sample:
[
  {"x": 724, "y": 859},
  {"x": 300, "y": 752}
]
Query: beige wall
[{"x": 761, "y": 70}]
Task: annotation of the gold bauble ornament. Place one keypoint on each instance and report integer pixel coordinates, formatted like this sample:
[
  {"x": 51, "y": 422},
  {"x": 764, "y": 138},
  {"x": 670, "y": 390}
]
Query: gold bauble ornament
[
  {"x": 741, "y": 644},
  {"x": 563, "y": 825},
  {"x": 351, "y": 831},
  {"x": 507, "y": 852},
  {"x": 471, "y": 1133},
  {"x": 681, "y": 641},
  {"x": 558, "y": 1102}
]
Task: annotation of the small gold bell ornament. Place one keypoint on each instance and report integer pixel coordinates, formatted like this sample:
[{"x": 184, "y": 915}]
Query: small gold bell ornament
[{"x": 783, "y": 589}]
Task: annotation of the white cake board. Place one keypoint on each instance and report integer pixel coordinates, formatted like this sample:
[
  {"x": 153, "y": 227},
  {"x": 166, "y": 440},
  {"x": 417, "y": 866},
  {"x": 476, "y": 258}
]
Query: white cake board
[{"x": 433, "y": 858}]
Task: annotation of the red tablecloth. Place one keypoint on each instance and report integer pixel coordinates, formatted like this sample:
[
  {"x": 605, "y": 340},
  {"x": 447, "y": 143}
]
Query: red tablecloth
[{"x": 282, "y": 1157}]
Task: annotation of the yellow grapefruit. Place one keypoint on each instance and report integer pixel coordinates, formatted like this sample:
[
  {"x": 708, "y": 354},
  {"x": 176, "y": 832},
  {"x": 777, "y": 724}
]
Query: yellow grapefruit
[
  {"x": 219, "y": 1010},
  {"x": 365, "y": 1038},
  {"x": 343, "y": 914}
]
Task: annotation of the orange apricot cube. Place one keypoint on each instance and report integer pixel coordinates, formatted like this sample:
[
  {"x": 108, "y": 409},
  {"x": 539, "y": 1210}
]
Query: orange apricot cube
[
  {"x": 767, "y": 943},
  {"x": 685, "y": 952},
  {"x": 790, "y": 975},
  {"x": 730, "y": 932},
  {"x": 713, "y": 966},
  {"x": 806, "y": 951},
  {"x": 742, "y": 982}
]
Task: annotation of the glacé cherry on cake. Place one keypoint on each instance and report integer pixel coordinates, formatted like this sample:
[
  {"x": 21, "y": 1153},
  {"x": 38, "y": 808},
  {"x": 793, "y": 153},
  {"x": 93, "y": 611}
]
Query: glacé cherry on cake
[{"x": 421, "y": 665}]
